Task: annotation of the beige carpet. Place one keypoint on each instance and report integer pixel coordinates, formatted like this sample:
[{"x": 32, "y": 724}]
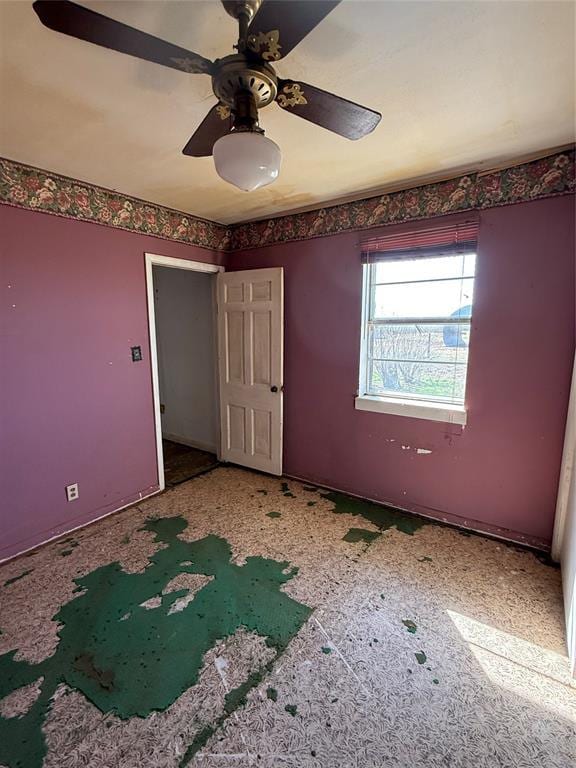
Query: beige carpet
[{"x": 330, "y": 634}]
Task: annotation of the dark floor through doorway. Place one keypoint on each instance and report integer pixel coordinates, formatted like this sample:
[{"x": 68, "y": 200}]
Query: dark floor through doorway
[{"x": 181, "y": 462}]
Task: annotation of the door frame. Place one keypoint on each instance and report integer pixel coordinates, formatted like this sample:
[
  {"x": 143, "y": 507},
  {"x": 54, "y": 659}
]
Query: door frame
[
  {"x": 151, "y": 260},
  {"x": 567, "y": 470}
]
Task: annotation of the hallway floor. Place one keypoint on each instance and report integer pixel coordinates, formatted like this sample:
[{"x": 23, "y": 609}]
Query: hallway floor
[
  {"x": 244, "y": 620},
  {"x": 181, "y": 462}
]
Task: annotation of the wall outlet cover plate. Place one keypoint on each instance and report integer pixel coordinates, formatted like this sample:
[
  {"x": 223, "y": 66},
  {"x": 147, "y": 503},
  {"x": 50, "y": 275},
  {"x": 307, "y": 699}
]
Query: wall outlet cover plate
[{"x": 72, "y": 492}]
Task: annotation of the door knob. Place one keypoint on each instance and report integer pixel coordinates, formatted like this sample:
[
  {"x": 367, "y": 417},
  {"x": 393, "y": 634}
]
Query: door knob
[{"x": 274, "y": 389}]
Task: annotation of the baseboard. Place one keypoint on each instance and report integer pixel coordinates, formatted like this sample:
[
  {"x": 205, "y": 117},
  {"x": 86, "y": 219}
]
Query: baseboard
[
  {"x": 209, "y": 448},
  {"x": 65, "y": 528},
  {"x": 444, "y": 518}
]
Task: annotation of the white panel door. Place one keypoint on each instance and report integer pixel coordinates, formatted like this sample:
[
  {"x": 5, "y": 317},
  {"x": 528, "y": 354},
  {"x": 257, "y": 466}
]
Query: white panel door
[{"x": 251, "y": 357}]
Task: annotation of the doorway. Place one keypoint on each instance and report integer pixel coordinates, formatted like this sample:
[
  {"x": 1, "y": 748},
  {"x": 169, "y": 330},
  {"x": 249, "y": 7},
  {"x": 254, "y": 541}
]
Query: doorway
[{"x": 182, "y": 324}]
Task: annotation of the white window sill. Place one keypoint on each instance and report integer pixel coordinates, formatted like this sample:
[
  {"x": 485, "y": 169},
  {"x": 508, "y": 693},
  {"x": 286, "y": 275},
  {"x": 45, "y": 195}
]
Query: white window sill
[{"x": 418, "y": 409}]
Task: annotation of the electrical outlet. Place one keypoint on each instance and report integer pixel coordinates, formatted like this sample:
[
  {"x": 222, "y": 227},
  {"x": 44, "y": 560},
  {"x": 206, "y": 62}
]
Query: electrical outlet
[{"x": 72, "y": 492}]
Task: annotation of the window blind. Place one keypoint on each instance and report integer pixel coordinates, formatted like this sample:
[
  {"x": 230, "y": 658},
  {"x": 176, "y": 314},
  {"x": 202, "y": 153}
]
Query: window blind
[{"x": 451, "y": 238}]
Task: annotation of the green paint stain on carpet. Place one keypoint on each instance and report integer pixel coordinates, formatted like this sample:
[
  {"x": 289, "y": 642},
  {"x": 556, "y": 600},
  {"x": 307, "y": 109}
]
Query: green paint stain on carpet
[
  {"x": 72, "y": 544},
  {"x": 420, "y": 657},
  {"x": 199, "y": 741},
  {"x": 273, "y": 514},
  {"x": 272, "y": 694},
  {"x": 131, "y": 661},
  {"x": 14, "y": 579},
  {"x": 233, "y": 699},
  {"x": 286, "y": 491},
  {"x": 410, "y": 626},
  {"x": 326, "y": 649},
  {"x": 382, "y": 516},
  {"x": 354, "y": 535},
  {"x": 292, "y": 709}
]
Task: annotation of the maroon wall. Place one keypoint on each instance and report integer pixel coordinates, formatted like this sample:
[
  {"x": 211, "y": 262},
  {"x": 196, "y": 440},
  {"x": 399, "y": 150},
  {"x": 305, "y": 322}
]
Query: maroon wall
[
  {"x": 501, "y": 470},
  {"x": 75, "y": 407}
]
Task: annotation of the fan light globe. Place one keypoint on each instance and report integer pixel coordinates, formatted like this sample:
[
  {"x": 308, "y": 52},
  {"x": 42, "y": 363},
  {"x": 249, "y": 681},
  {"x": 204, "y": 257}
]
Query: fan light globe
[{"x": 247, "y": 159}]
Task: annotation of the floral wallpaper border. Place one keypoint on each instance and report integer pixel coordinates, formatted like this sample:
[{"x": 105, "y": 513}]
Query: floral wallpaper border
[
  {"x": 546, "y": 177},
  {"x": 26, "y": 187}
]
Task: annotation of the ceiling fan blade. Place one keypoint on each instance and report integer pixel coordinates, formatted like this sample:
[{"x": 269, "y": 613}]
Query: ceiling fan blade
[
  {"x": 80, "y": 22},
  {"x": 279, "y": 25},
  {"x": 216, "y": 124},
  {"x": 327, "y": 110}
]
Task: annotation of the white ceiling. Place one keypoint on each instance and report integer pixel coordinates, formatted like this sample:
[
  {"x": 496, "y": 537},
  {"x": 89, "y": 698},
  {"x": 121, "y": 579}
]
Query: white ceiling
[{"x": 458, "y": 83}]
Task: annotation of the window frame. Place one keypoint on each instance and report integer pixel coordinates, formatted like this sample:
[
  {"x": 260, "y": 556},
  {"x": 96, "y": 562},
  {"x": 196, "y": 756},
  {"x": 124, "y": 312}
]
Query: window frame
[{"x": 405, "y": 404}]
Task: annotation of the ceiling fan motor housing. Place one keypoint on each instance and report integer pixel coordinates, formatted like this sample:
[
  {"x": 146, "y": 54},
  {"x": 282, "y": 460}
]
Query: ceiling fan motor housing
[
  {"x": 237, "y": 8},
  {"x": 235, "y": 74}
]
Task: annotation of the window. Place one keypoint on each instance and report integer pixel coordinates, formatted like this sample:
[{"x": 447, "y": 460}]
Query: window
[{"x": 418, "y": 302}]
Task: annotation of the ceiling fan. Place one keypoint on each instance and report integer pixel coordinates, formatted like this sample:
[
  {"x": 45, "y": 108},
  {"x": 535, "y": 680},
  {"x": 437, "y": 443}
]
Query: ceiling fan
[{"x": 243, "y": 82}]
